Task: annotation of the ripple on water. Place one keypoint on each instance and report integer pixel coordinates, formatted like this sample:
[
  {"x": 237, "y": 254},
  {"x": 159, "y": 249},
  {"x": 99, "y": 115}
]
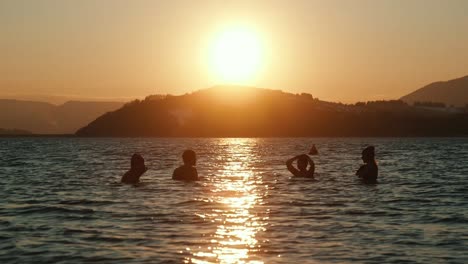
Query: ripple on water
[{"x": 61, "y": 202}]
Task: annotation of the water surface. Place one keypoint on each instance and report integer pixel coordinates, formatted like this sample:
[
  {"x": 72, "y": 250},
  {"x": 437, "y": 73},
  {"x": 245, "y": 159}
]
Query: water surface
[{"x": 61, "y": 201}]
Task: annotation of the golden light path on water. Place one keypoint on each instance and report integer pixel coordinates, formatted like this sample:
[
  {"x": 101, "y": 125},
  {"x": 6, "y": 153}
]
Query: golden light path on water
[{"x": 237, "y": 191}]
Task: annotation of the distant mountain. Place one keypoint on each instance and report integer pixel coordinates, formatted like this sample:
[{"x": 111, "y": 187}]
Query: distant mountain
[
  {"x": 61, "y": 99},
  {"x": 252, "y": 112},
  {"x": 73, "y": 115},
  {"x": 453, "y": 92},
  {"x": 14, "y": 132},
  {"x": 45, "y": 118}
]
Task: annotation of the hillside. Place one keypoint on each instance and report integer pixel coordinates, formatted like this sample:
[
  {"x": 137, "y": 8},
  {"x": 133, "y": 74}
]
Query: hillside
[
  {"x": 45, "y": 118},
  {"x": 253, "y": 112},
  {"x": 453, "y": 92}
]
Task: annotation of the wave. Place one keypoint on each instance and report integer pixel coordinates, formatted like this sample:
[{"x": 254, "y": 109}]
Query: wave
[
  {"x": 52, "y": 210},
  {"x": 85, "y": 202}
]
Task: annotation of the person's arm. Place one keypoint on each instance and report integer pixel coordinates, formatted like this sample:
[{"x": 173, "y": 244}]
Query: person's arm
[
  {"x": 289, "y": 165},
  {"x": 195, "y": 173},
  {"x": 311, "y": 169},
  {"x": 362, "y": 172}
]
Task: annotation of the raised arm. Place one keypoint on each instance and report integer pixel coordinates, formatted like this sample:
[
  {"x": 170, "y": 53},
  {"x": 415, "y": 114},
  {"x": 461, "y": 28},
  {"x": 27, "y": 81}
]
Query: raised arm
[
  {"x": 290, "y": 161},
  {"x": 311, "y": 169},
  {"x": 289, "y": 165}
]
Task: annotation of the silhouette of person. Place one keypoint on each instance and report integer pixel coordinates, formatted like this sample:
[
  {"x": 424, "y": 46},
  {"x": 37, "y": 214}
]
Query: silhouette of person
[
  {"x": 137, "y": 168},
  {"x": 313, "y": 150},
  {"x": 187, "y": 172},
  {"x": 369, "y": 171},
  {"x": 302, "y": 162}
]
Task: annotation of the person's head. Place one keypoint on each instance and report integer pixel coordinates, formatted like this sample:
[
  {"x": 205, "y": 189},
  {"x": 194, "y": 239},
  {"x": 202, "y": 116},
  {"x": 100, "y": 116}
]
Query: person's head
[
  {"x": 302, "y": 162},
  {"x": 137, "y": 162},
  {"x": 313, "y": 150},
  {"x": 189, "y": 157},
  {"x": 368, "y": 154}
]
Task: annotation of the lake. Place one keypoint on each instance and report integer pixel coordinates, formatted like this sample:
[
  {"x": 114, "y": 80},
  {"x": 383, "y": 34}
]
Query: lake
[{"x": 61, "y": 202}]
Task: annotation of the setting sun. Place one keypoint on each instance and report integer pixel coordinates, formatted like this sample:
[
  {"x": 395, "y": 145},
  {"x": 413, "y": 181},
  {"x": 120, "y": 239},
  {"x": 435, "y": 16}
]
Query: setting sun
[{"x": 235, "y": 56}]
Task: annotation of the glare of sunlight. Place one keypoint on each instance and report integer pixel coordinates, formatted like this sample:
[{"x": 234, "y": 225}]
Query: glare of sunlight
[
  {"x": 237, "y": 193},
  {"x": 235, "y": 55}
]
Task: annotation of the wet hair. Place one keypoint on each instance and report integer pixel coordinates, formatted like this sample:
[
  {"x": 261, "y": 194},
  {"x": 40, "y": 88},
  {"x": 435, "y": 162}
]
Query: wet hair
[
  {"x": 369, "y": 152},
  {"x": 302, "y": 160},
  {"x": 189, "y": 156},
  {"x": 136, "y": 160}
]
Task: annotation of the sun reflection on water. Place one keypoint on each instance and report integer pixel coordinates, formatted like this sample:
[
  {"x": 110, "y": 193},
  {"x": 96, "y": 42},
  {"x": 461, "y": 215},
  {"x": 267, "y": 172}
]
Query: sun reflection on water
[{"x": 238, "y": 192}]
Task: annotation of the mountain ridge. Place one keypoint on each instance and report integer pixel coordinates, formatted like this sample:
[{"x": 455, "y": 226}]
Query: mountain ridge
[
  {"x": 257, "y": 112},
  {"x": 46, "y": 118},
  {"x": 452, "y": 93}
]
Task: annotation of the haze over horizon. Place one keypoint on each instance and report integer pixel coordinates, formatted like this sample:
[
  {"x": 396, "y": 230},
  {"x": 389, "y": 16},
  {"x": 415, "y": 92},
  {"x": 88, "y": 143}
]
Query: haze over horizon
[{"x": 335, "y": 50}]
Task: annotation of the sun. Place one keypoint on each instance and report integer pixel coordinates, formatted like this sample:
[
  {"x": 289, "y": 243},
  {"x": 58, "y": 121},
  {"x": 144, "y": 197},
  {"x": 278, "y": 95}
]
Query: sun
[{"x": 235, "y": 56}]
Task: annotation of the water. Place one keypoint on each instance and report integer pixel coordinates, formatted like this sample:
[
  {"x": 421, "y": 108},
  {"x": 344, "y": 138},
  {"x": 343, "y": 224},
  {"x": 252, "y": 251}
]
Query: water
[{"x": 61, "y": 201}]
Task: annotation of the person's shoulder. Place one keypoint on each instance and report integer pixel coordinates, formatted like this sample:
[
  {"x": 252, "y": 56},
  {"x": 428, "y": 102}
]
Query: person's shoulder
[
  {"x": 177, "y": 172},
  {"x": 372, "y": 168},
  {"x": 186, "y": 173},
  {"x": 129, "y": 177},
  {"x": 362, "y": 168},
  {"x": 191, "y": 173},
  {"x": 178, "y": 169}
]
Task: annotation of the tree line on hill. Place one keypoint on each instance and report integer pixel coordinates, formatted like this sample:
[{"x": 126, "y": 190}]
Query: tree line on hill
[{"x": 254, "y": 112}]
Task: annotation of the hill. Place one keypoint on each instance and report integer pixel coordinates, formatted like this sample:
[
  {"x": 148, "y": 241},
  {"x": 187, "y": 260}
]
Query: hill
[
  {"x": 45, "y": 118},
  {"x": 453, "y": 92},
  {"x": 231, "y": 111}
]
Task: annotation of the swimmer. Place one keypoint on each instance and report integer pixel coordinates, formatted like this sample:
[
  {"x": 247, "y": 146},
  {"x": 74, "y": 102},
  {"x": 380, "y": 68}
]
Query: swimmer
[
  {"x": 137, "y": 168},
  {"x": 313, "y": 150},
  {"x": 187, "y": 172},
  {"x": 369, "y": 171},
  {"x": 302, "y": 162}
]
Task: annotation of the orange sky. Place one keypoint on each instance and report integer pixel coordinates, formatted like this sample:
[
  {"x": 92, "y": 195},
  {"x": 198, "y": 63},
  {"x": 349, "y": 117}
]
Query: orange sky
[{"x": 336, "y": 50}]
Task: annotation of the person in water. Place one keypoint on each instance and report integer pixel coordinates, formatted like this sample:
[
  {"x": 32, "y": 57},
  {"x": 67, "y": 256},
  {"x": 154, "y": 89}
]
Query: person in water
[
  {"x": 369, "y": 171},
  {"x": 137, "y": 168},
  {"x": 313, "y": 150},
  {"x": 187, "y": 172},
  {"x": 302, "y": 162}
]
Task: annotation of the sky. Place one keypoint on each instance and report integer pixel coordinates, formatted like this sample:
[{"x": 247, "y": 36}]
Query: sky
[{"x": 337, "y": 50}]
